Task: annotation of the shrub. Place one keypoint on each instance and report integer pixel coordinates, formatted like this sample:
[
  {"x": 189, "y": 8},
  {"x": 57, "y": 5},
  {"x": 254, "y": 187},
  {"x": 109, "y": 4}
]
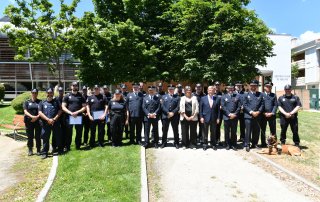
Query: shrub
[
  {"x": 17, "y": 103},
  {"x": 2, "y": 91}
]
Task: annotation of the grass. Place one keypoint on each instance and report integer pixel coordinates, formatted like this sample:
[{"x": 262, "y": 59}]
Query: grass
[
  {"x": 100, "y": 174},
  {"x": 6, "y": 114},
  {"x": 32, "y": 173}
]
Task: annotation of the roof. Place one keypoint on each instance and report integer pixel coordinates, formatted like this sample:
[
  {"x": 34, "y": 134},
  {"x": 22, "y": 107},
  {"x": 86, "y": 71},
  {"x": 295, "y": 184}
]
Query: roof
[
  {"x": 5, "y": 19},
  {"x": 305, "y": 46}
]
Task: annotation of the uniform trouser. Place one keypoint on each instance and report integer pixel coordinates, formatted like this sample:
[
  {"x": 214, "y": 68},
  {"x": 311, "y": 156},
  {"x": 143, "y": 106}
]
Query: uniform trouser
[
  {"x": 175, "y": 127},
  {"x": 242, "y": 126},
  {"x": 126, "y": 130},
  {"x": 62, "y": 133},
  {"x": 101, "y": 131},
  {"x": 86, "y": 126},
  {"x": 272, "y": 126},
  {"x": 109, "y": 131},
  {"x": 46, "y": 132},
  {"x": 116, "y": 126},
  {"x": 213, "y": 139},
  {"x": 135, "y": 128},
  {"x": 284, "y": 123},
  {"x": 230, "y": 131},
  {"x": 200, "y": 128},
  {"x": 147, "y": 125},
  {"x": 252, "y": 132},
  {"x": 69, "y": 135},
  {"x": 33, "y": 131},
  {"x": 218, "y": 131},
  {"x": 189, "y": 133}
]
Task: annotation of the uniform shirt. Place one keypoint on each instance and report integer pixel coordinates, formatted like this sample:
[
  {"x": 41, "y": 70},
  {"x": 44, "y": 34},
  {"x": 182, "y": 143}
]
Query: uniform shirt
[
  {"x": 270, "y": 103},
  {"x": 288, "y": 103},
  {"x": 74, "y": 101},
  {"x": 134, "y": 104},
  {"x": 199, "y": 96},
  {"x": 125, "y": 94},
  {"x": 230, "y": 103},
  {"x": 108, "y": 96},
  {"x": 32, "y": 106},
  {"x": 50, "y": 108},
  {"x": 118, "y": 107},
  {"x": 97, "y": 102},
  {"x": 170, "y": 104},
  {"x": 252, "y": 101},
  {"x": 151, "y": 104}
]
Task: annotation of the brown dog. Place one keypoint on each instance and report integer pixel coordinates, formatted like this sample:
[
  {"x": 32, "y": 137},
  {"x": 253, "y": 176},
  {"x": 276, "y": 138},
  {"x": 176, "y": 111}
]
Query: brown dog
[{"x": 274, "y": 148}]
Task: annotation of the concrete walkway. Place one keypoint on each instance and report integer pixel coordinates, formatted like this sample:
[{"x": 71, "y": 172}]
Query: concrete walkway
[{"x": 197, "y": 175}]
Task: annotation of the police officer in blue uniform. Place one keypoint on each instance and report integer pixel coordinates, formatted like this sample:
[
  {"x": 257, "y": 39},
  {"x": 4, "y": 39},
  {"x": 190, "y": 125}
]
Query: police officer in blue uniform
[
  {"x": 73, "y": 105},
  {"x": 218, "y": 128},
  {"x": 199, "y": 94},
  {"x": 118, "y": 114},
  {"x": 97, "y": 104},
  {"x": 170, "y": 114},
  {"x": 62, "y": 123},
  {"x": 289, "y": 106},
  {"x": 109, "y": 97},
  {"x": 151, "y": 108},
  {"x": 160, "y": 90},
  {"x": 240, "y": 90},
  {"x": 180, "y": 90},
  {"x": 269, "y": 112},
  {"x": 31, "y": 120},
  {"x": 253, "y": 109},
  {"x": 85, "y": 118},
  {"x": 230, "y": 106},
  {"x": 50, "y": 111},
  {"x": 134, "y": 105}
]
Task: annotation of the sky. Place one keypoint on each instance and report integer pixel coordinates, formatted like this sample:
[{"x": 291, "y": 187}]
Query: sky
[{"x": 298, "y": 18}]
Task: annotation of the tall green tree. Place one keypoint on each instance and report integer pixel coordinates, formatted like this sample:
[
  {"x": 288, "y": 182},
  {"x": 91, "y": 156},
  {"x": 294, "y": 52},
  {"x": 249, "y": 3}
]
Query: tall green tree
[
  {"x": 39, "y": 33},
  {"x": 215, "y": 40}
]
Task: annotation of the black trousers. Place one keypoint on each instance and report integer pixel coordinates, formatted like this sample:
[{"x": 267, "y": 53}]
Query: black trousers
[
  {"x": 62, "y": 133},
  {"x": 252, "y": 131},
  {"x": 147, "y": 125},
  {"x": 69, "y": 134},
  {"x": 189, "y": 133},
  {"x": 218, "y": 131},
  {"x": 284, "y": 123},
  {"x": 117, "y": 122},
  {"x": 230, "y": 131},
  {"x": 175, "y": 127},
  {"x": 200, "y": 128},
  {"x": 101, "y": 131},
  {"x": 109, "y": 131},
  {"x": 86, "y": 126},
  {"x": 242, "y": 126},
  {"x": 213, "y": 129},
  {"x": 56, "y": 135},
  {"x": 135, "y": 128},
  {"x": 263, "y": 124},
  {"x": 33, "y": 130},
  {"x": 126, "y": 130}
]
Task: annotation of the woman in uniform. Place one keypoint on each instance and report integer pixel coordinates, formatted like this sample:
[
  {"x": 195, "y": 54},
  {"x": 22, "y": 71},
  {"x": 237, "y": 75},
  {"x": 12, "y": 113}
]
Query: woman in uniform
[
  {"x": 118, "y": 114},
  {"x": 31, "y": 120}
]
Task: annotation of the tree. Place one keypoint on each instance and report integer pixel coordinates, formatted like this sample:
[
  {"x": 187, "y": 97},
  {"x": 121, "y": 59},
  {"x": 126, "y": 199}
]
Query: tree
[
  {"x": 215, "y": 40},
  {"x": 38, "y": 34}
]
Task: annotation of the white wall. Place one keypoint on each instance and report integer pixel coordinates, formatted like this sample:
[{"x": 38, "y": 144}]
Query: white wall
[
  {"x": 280, "y": 64},
  {"x": 312, "y": 66}
]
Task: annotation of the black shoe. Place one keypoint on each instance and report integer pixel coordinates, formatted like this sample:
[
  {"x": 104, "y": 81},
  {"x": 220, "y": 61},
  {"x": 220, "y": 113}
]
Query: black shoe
[
  {"x": 297, "y": 144},
  {"x": 131, "y": 142},
  {"x": 264, "y": 145},
  {"x": 240, "y": 140},
  {"x": 44, "y": 156},
  {"x": 30, "y": 152},
  {"x": 214, "y": 148},
  {"x": 253, "y": 146},
  {"x": 101, "y": 145},
  {"x": 234, "y": 148},
  {"x": 163, "y": 145},
  {"x": 177, "y": 146},
  {"x": 156, "y": 146},
  {"x": 145, "y": 145},
  {"x": 228, "y": 147},
  {"x": 247, "y": 149},
  {"x": 204, "y": 148},
  {"x": 77, "y": 147}
]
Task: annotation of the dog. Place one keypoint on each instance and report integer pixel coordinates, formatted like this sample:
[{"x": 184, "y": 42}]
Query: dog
[{"x": 276, "y": 149}]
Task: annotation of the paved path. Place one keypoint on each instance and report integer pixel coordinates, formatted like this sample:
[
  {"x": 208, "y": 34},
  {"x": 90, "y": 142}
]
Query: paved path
[
  {"x": 8, "y": 154},
  {"x": 197, "y": 175}
]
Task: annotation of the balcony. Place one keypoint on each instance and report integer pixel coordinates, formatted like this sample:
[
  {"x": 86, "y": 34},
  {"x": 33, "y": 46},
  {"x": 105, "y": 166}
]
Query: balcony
[
  {"x": 300, "y": 81},
  {"x": 301, "y": 64}
]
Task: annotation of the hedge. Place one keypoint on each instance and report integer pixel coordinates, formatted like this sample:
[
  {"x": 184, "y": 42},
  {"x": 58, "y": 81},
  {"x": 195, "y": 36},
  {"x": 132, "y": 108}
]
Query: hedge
[
  {"x": 17, "y": 103},
  {"x": 2, "y": 91}
]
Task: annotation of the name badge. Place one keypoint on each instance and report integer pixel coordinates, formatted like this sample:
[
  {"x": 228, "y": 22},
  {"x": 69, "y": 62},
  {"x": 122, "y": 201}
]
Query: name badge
[
  {"x": 283, "y": 100},
  {"x": 130, "y": 97},
  {"x": 45, "y": 106},
  {"x": 113, "y": 103},
  {"x": 147, "y": 101},
  {"x": 92, "y": 100}
]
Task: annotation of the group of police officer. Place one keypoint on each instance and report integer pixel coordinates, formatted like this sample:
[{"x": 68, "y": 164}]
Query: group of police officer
[{"x": 130, "y": 111}]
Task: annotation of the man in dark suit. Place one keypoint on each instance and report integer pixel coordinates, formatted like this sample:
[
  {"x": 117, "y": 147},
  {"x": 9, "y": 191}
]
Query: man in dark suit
[
  {"x": 134, "y": 103},
  {"x": 151, "y": 108},
  {"x": 218, "y": 128},
  {"x": 199, "y": 93},
  {"x": 170, "y": 114},
  {"x": 240, "y": 90},
  {"x": 253, "y": 108},
  {"x": 230, "y": 106},
  {"x": 269, "y": 112},
  {"x": 209, "y": 116}
]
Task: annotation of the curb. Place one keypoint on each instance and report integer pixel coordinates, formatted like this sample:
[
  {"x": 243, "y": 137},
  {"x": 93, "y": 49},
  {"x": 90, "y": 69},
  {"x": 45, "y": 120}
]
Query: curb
[
  {"x": 310, "y": 184},
  {"x": 144, "y": 177},
  {"x": 52, "y": 175}
]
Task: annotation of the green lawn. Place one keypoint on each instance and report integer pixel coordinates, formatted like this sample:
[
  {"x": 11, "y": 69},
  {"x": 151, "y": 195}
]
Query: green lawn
[
  {"x": 100, "y": 174},
  {"x": 6, "y": 114}
]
